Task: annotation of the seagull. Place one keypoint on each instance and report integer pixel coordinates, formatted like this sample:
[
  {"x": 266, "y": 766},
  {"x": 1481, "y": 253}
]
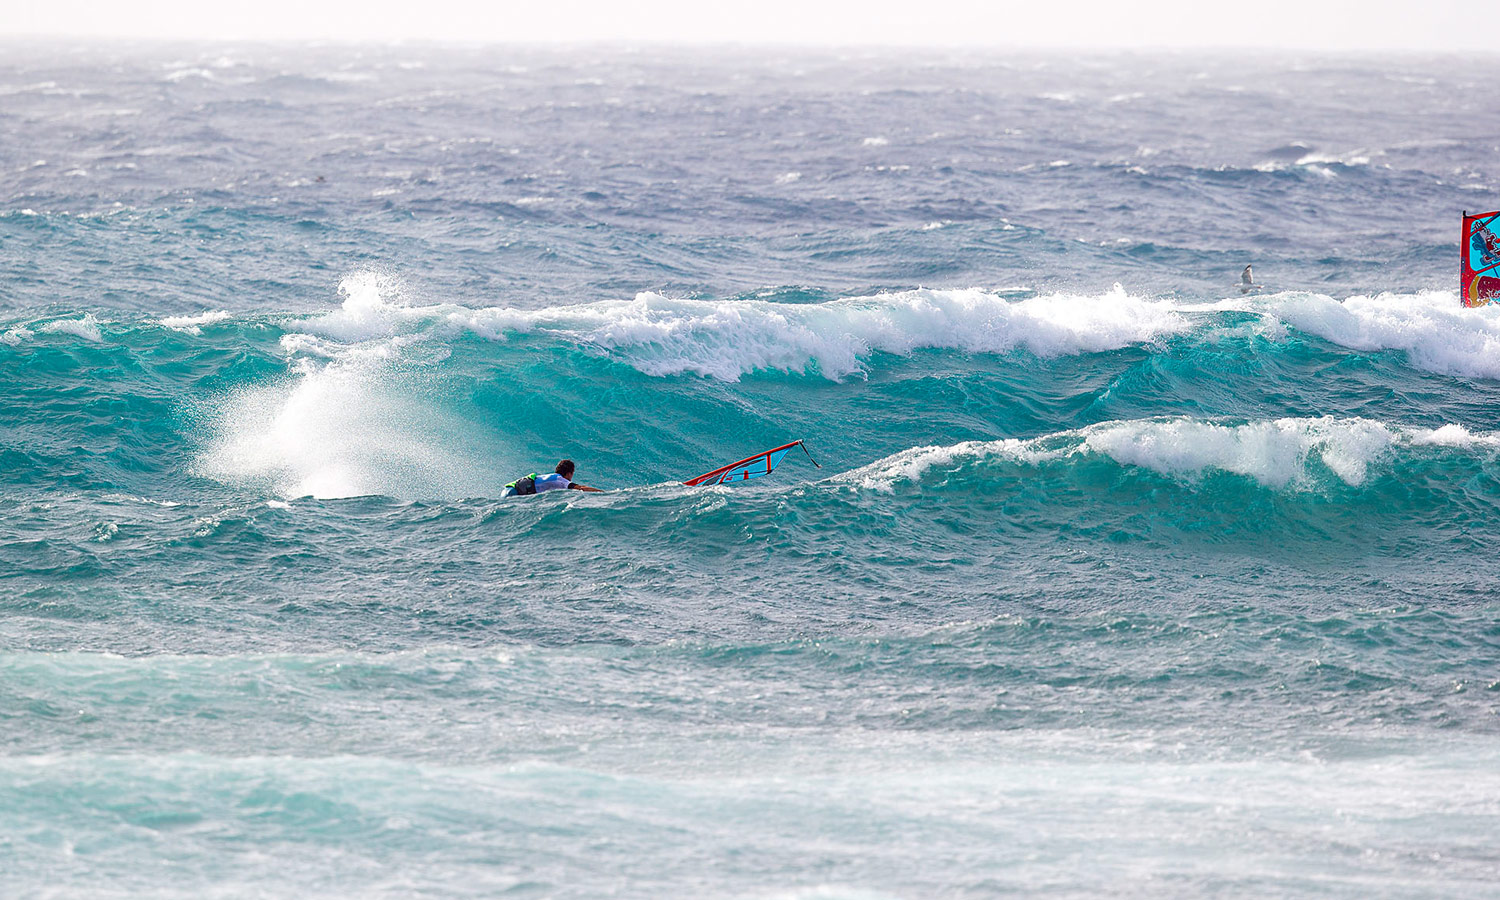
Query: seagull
[{"x": 1247, "y": 282}]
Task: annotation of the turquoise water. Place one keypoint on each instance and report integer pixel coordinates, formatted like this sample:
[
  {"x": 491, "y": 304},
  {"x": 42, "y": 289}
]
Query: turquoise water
[{"x": 1114, "y": 581}]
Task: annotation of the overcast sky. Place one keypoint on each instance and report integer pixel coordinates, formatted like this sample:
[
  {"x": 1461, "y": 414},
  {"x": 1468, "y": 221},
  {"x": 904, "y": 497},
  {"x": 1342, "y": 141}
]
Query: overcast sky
[{"x": 1304, "y": 24}]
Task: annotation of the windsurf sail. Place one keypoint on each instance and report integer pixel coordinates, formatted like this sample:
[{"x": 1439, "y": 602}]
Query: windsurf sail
[
  {"x": 1480, "y": 255},
  {"x": 750, "y": 467}
]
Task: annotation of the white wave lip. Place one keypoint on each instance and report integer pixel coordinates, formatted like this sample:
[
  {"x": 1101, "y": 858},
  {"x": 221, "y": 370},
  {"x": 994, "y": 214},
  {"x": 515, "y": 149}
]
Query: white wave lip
[
  {"x": 1436, "y": 331},
  {"x": 1276, "y": 453},
  {"x": 727, "y": 339},
  {"x": 194, "y": 324},
  {"x": 1273, "y": 453}
]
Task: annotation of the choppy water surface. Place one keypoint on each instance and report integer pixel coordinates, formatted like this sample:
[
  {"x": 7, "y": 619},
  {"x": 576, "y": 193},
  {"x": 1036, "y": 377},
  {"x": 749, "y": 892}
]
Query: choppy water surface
[{"x": 1115, "y": 581}]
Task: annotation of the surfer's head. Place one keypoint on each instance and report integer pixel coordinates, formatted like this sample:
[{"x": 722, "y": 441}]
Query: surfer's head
[{"x": 565, "y": 469}]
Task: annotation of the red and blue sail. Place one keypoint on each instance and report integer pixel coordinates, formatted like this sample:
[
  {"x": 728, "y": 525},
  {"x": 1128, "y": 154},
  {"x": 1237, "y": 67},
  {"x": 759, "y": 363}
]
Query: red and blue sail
[
  {"x": 756, "y": 466},
  {"x": 1480, "y": 253}
]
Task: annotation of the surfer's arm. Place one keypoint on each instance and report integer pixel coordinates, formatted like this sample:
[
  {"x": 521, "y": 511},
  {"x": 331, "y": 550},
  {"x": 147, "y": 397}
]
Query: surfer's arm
[{"x": 575, "y": 486}]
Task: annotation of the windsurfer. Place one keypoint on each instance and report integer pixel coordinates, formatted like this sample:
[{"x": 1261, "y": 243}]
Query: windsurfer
[{"x": 560, "y": 479}]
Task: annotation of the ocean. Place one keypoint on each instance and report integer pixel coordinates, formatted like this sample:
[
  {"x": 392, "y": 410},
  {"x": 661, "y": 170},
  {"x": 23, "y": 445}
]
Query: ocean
[{"x": 1115, "y": 580}]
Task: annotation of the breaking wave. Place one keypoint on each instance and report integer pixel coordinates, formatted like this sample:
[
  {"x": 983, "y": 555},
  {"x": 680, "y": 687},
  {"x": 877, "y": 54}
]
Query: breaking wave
[
  {"x": 1437, "y": 333},
  {"x": 727, "y": 339}
]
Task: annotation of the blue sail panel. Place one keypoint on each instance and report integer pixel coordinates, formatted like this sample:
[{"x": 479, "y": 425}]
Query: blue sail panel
[{"x": 752, "y": 467}]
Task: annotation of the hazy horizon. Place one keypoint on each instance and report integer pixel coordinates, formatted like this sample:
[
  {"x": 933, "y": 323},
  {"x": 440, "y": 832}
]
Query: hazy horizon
[{"x": 1081, "y": 25}]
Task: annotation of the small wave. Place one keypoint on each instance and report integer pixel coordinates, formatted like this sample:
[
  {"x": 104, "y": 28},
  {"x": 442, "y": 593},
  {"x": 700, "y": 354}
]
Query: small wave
[
  {"x": 1277, "y": 454},
  {"x": 86, "y": 328},
  {"x": 1350, "y": 160},
  {"x": 179, "y": 75}
]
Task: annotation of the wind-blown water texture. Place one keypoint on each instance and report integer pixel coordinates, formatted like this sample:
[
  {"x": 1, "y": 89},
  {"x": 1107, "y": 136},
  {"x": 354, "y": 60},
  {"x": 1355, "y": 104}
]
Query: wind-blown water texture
[{"x": 1115, "y": 581}]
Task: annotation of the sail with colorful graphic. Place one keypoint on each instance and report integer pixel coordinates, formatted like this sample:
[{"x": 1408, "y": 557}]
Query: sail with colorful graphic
[
  {"x": 751, "y": 467},
  {"x": 1480, "y": 253}
]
